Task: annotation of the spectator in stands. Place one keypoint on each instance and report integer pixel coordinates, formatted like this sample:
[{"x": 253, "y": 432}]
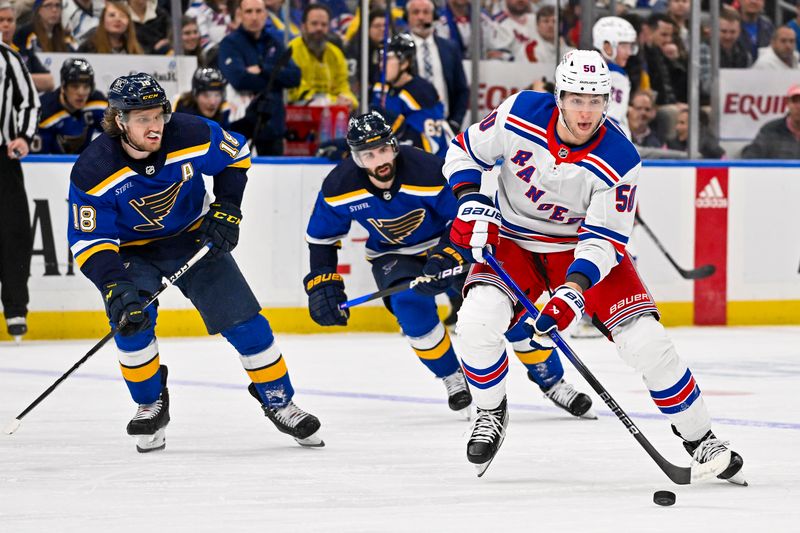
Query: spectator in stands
[
  {"x": 207, "y": 97},
  {"x": 72, "y": 115},
  {"x": 275, "y": 19},
  {"x": 81, "y": 16},
  {"x": 114, "y": 34},
  {"x": 190, "y": 39},
  {"x": 658, "y": 64},
  {"x": 781, "y": 54},
  {"x": 352, "y": 28},
  {"x": 254, "y": 61},
  {"x": 546, "y": 28},
  {"x": 323, "y": 66},
  {"x": 779, "y": 138},
  {"x": 454, "y": 24},
  {"x": 153, "y": 26},
  {"x": 795, "y": 24},
  {"x": 678, "y": 11},
  {"x": 636, "y": 62},
  {"x": 213, "y": 19},
  {"x": 733, "y": 52},
  {"x": 44, "y": 33},
  {"x": 708, "y": 144},
  {"x": 376, "y": 30},
  {"x": 756, "y": 28},
  {"x": 42, "y": 79},
  {"x": 438, "y": 61},
  {"x": 641, "y": 113},
  {"x": 520, "y": 21}
]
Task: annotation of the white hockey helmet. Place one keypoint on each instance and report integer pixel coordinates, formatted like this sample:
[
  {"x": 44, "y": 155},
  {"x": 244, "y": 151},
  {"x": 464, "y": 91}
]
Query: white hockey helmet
[
  {"x": 582, "y": 72},
  {"x": 613, "y": 30}
]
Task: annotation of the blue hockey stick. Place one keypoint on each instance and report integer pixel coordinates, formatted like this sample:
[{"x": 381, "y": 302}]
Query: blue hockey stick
[{"x": 679, "y": 475}]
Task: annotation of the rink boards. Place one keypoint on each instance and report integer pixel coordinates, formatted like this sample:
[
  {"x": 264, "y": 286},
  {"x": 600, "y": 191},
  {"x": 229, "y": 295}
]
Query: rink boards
[{"x": 739, "y": 216}]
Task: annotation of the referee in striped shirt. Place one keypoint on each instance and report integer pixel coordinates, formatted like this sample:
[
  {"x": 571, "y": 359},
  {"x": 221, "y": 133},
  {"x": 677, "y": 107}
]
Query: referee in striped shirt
[{"x": 19, "y": 115}]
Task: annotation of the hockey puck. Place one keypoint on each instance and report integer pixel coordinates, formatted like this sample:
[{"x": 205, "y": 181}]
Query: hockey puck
[{"x": 664, "y": 498}]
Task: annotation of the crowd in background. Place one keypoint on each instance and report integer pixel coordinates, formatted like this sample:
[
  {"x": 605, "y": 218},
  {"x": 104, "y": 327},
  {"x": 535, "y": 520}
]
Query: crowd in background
[{"x": 313, "y": 58}]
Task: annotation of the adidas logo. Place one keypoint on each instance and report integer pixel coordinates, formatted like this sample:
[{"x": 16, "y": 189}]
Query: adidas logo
[{"x": 711, "y": 196}]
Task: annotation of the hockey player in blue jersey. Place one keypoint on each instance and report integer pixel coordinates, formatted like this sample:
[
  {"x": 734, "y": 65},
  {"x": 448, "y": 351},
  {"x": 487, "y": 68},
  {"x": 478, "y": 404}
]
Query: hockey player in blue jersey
[
  {"x": 409, "y": 102},
  {"x": 71, "y": 114},
  {"x": 398, "y": 194},
  {"x": 139, "y": 209},
  {"x": 207, "y": 97}
]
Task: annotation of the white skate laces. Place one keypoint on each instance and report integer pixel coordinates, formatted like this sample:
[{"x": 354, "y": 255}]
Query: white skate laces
[
  {"x": 455, "y": 383},
  {"x": 488, "y": 425},
  {"x": 289, "y": 415},
  {"x": 562, "y": 393},
  {"x": 709, "y": 449},
  {"x": 147, "y": 411}
]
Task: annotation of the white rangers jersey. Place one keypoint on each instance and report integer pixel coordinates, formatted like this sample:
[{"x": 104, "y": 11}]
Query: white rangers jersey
[
  {"x": 552, "y": 197},
  {"x": 620, "y": 95}
]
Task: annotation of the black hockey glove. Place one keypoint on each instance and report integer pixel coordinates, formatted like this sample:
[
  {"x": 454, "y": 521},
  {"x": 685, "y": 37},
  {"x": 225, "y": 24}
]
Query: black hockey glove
[
  {"x": 122, "y": 300},
  {"x": 442, "y": 259},
  {"x": 325, "y": 289},
  {"x": 221, "y": 227}
]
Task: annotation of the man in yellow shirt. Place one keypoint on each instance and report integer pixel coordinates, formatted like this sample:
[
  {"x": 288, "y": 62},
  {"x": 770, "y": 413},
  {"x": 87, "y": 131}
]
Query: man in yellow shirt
[{"x": 323, "y": 66}]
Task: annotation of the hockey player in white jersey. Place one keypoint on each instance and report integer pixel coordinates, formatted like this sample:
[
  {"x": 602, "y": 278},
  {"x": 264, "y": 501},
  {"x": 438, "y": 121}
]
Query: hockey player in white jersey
[
  {"x": 565, "y": 207},
  {"x": 616, "y": 39}
]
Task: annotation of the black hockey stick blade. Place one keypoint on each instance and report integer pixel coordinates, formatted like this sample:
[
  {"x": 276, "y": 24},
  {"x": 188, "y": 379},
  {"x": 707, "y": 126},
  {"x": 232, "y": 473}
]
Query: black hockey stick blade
[
  {"x": 699, "y": 272},
  {"x": 680, "y": 475}
]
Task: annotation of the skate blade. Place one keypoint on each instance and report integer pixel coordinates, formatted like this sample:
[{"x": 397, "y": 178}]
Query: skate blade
[
  {"x": 312, "y": 441},
  {"x": 17, "y": 339},
  {"x": 468, "y": 413},
  {"x": 589, "y": 415},
  {"x": 738, "y": 479},
  {"x": 151, "y": 443}
]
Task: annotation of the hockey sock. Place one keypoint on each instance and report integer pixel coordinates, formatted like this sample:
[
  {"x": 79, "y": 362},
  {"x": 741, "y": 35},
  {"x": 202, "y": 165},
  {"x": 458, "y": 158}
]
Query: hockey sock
[
  {"x": 435, "y": 351},
  {"x": 262, "y": 360},
  {"x": 141, "y": 370},
  {"x": 488, "y": 383}
]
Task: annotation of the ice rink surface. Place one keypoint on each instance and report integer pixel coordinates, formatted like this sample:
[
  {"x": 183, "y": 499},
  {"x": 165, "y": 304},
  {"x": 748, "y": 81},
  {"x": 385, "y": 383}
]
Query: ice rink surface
[{"x": 395, "y": 455}]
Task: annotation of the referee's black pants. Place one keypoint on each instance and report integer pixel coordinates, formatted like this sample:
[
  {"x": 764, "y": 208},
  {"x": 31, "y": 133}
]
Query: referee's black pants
[{"x": 16, "y": 241}]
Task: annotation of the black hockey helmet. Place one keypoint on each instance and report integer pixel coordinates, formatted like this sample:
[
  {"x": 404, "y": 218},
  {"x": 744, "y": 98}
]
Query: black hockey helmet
[
  {"x": 369, "y": 131},
  {"x": 403, "y": 47},
  {"x": 208, "y": 79},
  {"x": 138, "y": 91},
  {"x": 77, "y": 70}
]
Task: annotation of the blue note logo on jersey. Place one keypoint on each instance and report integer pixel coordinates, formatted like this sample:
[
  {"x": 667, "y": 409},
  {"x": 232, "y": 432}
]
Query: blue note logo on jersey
[
  {"x": 394, "y": 230},
  {"x": 155, "y": 207}
]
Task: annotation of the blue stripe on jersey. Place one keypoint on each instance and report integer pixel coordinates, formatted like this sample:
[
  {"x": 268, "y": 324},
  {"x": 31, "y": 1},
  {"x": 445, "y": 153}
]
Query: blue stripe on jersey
[
  {"x": 613, "y": 235},
  {"x": 472, "y": 154},
  {"x": 675, "y": 389},
  {"x": 524, "y": 134},
  {"x": 469, "y": 175},
  {"x": 587, "y": 268},
  {"x": 596, "y": 172}
]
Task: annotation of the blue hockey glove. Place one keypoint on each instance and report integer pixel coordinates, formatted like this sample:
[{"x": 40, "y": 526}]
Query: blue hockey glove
[
  {"x": 476, "y": 225},
  {"x": 442, "y": 259},
  {"x": 325, "y": 289},
  {"x": 221, "y": 227},
  {"x": 122, "y": 300}
]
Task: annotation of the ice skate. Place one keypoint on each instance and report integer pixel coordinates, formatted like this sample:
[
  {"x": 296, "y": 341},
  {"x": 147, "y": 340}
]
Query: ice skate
[
  {"x": 710, "y": 449},
  {"x": 488, "y": 433},
  {"x": 566, "y": 397},
  {"x": 293, "y": 421},
  {"x": 458, "y": 396},
  {"x": 149, "y": 423},
  {"x": 17, "y": 327}
]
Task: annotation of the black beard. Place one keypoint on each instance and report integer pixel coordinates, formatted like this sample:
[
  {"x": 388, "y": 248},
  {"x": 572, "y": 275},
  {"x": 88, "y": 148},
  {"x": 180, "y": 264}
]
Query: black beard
[{"x": 389, "y": 177}]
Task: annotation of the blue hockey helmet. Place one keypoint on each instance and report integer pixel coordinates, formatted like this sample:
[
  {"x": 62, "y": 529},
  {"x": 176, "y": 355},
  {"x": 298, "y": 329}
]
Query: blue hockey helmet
[
  {"x": 77, "y": 70},
  {"x": 138, "y": 91},
  {"x": 208, "y": 79}
]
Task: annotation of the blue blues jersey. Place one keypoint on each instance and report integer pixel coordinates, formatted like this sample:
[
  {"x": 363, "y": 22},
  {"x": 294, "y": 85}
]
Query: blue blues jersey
[
  {"x": 415, "y": 113},
  {"x": 119, "y": 205},
  {"x": 407, "y": 219},
  {"x": 64, "y": 132}
]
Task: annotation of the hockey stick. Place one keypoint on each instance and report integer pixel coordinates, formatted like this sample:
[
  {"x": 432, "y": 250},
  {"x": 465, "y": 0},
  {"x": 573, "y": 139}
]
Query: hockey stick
[
  {"x": 679, "y": 475},
  {"x": 14, "y": 424},
  {"x": 449, "y": 273},
  {"x": 697, "y": 273}
]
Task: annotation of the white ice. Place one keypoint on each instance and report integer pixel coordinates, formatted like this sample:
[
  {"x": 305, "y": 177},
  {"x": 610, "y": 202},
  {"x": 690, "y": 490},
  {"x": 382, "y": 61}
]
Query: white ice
[{"x": 395, "y": 455}]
